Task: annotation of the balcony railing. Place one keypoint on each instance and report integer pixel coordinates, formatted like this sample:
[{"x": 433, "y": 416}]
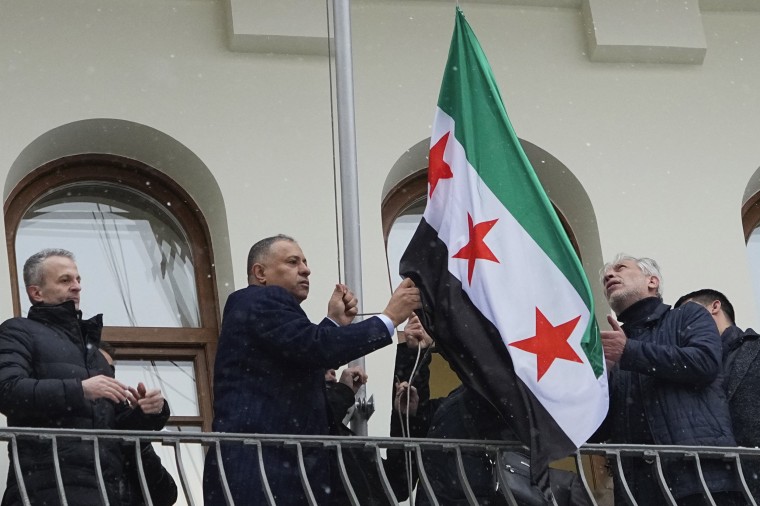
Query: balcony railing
[{"x": 187, "y": 468}]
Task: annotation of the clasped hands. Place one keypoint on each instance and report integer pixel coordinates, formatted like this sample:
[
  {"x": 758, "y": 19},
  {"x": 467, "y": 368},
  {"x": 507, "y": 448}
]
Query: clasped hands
[{"x": 150, "y": 401}]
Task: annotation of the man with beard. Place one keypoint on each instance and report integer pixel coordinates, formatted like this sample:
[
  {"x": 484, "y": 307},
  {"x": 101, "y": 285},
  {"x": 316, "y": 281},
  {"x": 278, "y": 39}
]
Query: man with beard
[{"x": 666, "y": 386}]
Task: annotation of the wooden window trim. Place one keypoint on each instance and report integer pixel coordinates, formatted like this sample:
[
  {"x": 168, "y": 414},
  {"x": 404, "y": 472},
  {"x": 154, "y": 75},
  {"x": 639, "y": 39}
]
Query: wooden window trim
[
  {"x": 751, "y": 215},
  {"x": 160, "y": 342},
  {"x": 401, "y": 197},
  {"x": 158, "y": 335},
  {"x": 197, "y": 356},
  {"x": 130, "y": 173}
]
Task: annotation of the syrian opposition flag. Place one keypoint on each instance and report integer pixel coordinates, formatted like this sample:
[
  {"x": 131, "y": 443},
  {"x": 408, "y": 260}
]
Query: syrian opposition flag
[{"x": 504, "y": 294}]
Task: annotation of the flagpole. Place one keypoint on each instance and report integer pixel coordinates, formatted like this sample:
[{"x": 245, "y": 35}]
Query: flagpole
[{"x": 349, "y": 182}]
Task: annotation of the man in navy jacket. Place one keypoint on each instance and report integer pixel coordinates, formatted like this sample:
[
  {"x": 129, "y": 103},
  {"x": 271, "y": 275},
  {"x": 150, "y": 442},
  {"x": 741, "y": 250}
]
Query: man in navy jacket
[
  {"x": 270, "y": 369},
  {"x": 666, "y": 387}
]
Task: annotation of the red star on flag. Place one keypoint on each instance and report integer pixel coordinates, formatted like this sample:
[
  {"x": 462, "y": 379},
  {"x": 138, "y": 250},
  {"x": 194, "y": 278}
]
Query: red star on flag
[
  {"x": 549, "y": 343},
  {"x": 438, "y": 168},
  {"x": 477, "y": 249}
]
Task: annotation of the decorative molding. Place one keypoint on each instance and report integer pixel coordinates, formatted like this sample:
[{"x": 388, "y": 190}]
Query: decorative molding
[
  {"x": 730, "y": 5},
  {"x": 644, "y": 31},
  {"x": 618, "y": 31},
  {"x": 283, "y": 27}
]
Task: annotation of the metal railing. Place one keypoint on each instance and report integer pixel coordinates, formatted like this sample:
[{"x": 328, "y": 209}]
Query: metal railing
[
  {"x": 372, "y": 446},
  {"x": 656, "y": 454}
]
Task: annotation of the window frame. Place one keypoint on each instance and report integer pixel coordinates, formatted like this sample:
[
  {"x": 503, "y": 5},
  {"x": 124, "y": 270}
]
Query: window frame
[
  {"x": 751, "y": 215},
  {"x": 194, "y": 355},
  {"x": 163, "y": 342}
]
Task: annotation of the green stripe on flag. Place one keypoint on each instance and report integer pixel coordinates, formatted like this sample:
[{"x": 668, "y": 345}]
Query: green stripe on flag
[{"x": 469, "y": 95}]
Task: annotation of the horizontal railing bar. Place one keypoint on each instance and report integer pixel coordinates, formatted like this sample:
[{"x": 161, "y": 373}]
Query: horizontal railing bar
[
  {"x": 170, "y": 438},
  {"x": 453, "y": 448}
]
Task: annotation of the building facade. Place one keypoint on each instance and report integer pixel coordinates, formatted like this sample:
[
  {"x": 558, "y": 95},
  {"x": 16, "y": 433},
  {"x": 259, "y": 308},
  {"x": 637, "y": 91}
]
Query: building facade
[{"x": 159, "y": 139}]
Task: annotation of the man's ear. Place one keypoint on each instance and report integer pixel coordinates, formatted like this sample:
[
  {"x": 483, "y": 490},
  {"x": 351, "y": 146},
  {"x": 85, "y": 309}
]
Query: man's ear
[
  {"x": 257, "y": 274},
  {"x": 35, "y": 294},
  {"x": 715, "y": 307},
  {"x": 654, "y": 283}
]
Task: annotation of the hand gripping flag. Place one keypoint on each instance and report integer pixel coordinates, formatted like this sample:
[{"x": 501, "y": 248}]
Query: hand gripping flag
[{"x": 504, "y": 294}]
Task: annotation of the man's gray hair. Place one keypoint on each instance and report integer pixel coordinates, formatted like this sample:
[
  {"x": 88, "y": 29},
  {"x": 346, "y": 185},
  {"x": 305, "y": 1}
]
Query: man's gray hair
[
  {"x": 33, "y": 264},
  {"x": 261, "y": 249},
  {"x": 647, "y": 265}
]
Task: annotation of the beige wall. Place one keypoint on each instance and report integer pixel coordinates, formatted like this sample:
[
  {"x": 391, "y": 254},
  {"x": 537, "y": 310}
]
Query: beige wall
[{"x": 663, "y": 151}]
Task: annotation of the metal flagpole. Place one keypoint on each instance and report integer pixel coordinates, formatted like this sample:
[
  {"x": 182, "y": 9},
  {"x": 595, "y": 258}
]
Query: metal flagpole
[{"x": 349, "y": 183}]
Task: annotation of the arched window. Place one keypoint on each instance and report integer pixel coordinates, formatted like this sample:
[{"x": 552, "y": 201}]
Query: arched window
[
  {"x": 143, "y": 251},
  {"x": 751, "y": 224}
]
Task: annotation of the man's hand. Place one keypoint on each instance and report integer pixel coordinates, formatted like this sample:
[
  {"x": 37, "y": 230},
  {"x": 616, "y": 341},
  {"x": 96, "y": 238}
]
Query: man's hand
[
  {"x": 613, "y": 342},
  {"x": 342, "y": 305},
  {"x": 104, "y": 387},
  {"x": 405, "y": 299},
  {"x": 415, "y": 334},
  {"x": 354, "y": 377},
  {"x": 150, "y": 401},
  {"x": 400, "y": 400}
]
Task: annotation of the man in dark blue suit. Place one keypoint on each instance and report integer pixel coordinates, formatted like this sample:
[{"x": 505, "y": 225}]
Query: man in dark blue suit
[{"x": 270, "y": 372}]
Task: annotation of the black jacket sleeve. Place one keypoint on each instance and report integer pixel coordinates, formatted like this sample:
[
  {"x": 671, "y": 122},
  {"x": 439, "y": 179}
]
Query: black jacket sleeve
[
  {"x": 21, "y": 393},
  {"x": 134, "y": 419}
]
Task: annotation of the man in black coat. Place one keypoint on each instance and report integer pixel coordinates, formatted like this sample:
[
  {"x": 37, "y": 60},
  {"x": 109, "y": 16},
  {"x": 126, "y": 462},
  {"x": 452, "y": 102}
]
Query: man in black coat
[
  {"x": 741, "y": 364},
  {"x": 666, "y": 386},
  {"x": 161, "y": 486},
  {"x": 52, "y": 375},
  {"x": 269, "y": 375}
]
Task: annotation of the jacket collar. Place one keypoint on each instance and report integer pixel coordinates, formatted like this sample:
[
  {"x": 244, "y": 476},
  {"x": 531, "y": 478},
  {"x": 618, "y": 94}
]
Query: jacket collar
[
  {"x": 731, "y": 337},
  {"x": 67, "y": 316},
  {"x": 60, "y": 314},
  {"x": 643, "y": 312}
]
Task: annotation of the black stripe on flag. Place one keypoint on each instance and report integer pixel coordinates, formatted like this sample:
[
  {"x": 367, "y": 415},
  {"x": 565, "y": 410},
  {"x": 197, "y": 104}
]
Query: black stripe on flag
[{"x": 474, "y": 349}]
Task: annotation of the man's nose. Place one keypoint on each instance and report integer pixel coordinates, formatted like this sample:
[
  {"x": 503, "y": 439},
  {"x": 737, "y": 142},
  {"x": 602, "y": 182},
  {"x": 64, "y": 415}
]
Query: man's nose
[
  {"x": 76, "y": 286},
  {"x": 305, "y": 270}
]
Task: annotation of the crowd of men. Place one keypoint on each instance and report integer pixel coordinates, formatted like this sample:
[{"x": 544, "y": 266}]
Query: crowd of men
[{"x": 681, "y": 375}]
